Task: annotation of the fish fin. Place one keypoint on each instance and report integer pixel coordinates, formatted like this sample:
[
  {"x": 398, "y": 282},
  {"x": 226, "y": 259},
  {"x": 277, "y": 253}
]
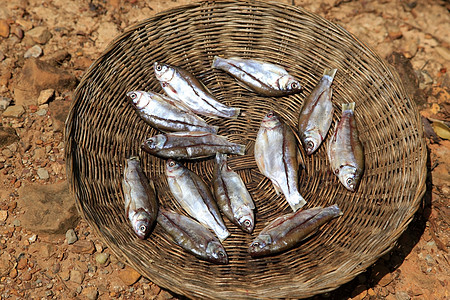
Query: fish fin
[
  {"x": 276, "y": 186},
  {"x": 310, "y": 234},
  {"x": 260, "y": 163},
  {"x": 348, "y": 106},
  {"x": 330, "y": 72},
  {"x": 300, "y": 149},
  {"x": 152, "y": 184},
  {"x": 244, "y": 86},
  {"x": 300, "y": 155},
  {"x": 299, "y": 203},
  {"x": 240, "y": 149}
]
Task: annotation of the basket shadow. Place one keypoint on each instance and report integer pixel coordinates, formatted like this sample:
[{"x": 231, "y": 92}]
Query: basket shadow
[{"x": 392, "y": 260}]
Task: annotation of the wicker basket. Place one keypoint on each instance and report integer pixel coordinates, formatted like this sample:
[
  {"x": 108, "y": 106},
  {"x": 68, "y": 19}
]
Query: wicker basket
[{"x": 103, "y": 129}]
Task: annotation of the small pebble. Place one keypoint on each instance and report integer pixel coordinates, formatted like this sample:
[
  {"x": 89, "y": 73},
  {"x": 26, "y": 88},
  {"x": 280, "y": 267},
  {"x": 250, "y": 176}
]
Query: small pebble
[
  {"x": 4, "y": 28},
  {"x": 65, "y": 275},
  {"x": 56, "y": 268},
  {"x": 27, "y": 276},
  {"x": 71, "y": 236},
  {"x": 129, "y": 276},
  {"x": 22, "y": 263},
  {"x": 98, "y": 247},
  {"x": 3, "y": 215},
  {"x": 83, "y": 247},
  {"x": 91, "y": 293},
  {"x": 32, "y": 238},
  {"x": 402, "y": 296},
  {"x": 16, "y": 223},
  {"x": 7, "y": 153},
  {"x": 34, "y": 52},
  {"x": 101, "y": 258},
  {"x": 120, "y": 264},
  {"x": 42, "y": 173},
  {"x": 45, "y": 96},
  {"x": 4, "y": 103},
  {"x": 13, "y": 273},
  {"x": 41, "y": 112},
  {"x": 15, "y": 111},
  {"x": 76, "y": 276},
  {"x": 91, "y": 268}
]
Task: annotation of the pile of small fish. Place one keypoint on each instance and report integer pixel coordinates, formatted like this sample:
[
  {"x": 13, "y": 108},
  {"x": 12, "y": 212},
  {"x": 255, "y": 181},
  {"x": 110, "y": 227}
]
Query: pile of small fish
[{"x": 186, "y": 136}]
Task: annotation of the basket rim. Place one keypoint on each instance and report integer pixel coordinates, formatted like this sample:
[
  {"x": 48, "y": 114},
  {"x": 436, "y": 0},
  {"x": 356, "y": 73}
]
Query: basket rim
[{"x": 71, "y": 164}]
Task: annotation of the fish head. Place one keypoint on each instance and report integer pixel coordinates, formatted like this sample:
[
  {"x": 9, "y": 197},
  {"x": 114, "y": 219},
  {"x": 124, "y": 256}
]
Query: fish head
[
  {"x": 349, "y": 177},
  {"x": 247, "y": 223},
  {"x": 155, "y": 142},
  {"x": 173, "y": 168},
  {"x": 216, "y": 253},
  {"x": 131, "y": 164},
  {"x": 289, "y": 84},
  {"x": 141, "y": 222},
  {"x": 163, "y": 72},
  {"x": 271, "y": 120},
  {"x": 138, "y": 98},
  {"x": 260, "y": 245},
  {"x": 311, "y": 141}
]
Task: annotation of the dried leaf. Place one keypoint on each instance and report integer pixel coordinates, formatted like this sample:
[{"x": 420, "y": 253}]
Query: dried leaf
[{"x": 442, "y": 130}]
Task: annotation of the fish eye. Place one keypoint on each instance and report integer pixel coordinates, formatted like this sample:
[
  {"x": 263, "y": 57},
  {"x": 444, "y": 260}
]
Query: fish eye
[
  {"x": 142, "y": 228},
  {"x": 349, "y": 181},
  {"x": 294, "y": 85},
  {"x": 221, "y": 254},
  {"x": 310, "y": 144},
  {"x": 255, "y": 244},
  {"x": 270, "y": 114},
  {"x": 133, "y": 96},
  {"x": 171, "y": 163},
  {"x": 158, "y": 68},
  {"x": 247, "y": 223}
]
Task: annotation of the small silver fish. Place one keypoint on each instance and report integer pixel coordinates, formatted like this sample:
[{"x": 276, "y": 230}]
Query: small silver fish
[
  {"x": 192, "y": 193},
  {"x": 278, "y": 158},
  {"x": 165, "y": 114},
  {"x": 261, "y": 77},
  {"x": 141, "y": 206},
  {"x": 345, "y": 151},
  {"x": 317, "y": 113},
  {"x": 192, "y": 236},
  {"x": 183, "y": 87},
  {"x": 287, "y": 231},
  {"x": 232, "y": 196},
  {"x": 190, "y": 145}
]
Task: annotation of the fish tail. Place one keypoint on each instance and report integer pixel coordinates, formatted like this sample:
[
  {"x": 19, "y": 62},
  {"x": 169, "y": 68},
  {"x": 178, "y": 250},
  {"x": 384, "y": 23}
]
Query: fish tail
[
  {"x": 239, "y": 149},
  {"x": 216, "y": 129},
  {"x": 348, "y": 106},
  {"x": 236, "y": 111},
  {"x": 335, "y": 210},
  {"x": 296, "y": 202},
  {"x": 216, "y": 61},
  {"x": 330, "y": 72},
  {"x": 222, "y": 234}
]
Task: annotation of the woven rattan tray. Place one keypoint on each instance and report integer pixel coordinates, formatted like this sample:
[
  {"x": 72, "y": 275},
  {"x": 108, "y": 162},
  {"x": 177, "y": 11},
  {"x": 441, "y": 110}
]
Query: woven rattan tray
[{"x": 103, "y": 129}]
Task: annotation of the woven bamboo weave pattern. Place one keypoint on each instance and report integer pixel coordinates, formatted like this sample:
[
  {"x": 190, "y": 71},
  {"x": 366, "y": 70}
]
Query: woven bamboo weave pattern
[{"x": 103, "y": 129}]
